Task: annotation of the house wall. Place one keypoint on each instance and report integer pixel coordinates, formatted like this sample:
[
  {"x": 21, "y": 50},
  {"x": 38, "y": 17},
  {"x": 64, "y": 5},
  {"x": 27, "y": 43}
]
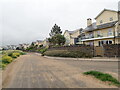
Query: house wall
[
  {"x": 117, "y": 41},
  {"x": 70, "y": 37},
  {"x": 96, "y": 42},
  {"x": 104, "y": 32},
  {"x": 105, "y": 17},
  {"x": 67, "y": 37},
  {"x": 72, "y": 41},
  {"x": 75, "y": 34},
  {"x": 45, "y": 43}
]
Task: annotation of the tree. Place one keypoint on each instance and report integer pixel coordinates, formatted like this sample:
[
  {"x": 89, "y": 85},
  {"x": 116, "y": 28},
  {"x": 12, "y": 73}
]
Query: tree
[
  {"x": 55, "y": 36},
  {"x": 59, "y": 39},
  {"x": 55, "y": 30}
]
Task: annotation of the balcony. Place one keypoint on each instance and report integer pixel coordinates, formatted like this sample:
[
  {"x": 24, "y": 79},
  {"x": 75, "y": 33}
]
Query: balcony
[
  {"x": 85, "y": 37},
  {"x": 88, "y": 37},
  {"x": 96, "y": 37}
]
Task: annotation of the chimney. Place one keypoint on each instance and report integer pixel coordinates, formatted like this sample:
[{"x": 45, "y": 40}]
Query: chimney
[{"x": 89, "y": 21}]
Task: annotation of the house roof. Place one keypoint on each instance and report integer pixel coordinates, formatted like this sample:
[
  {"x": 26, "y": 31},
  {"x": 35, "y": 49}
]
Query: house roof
[
  {"x": 106, "y": 25},
  {"x": 71, "y": 32},
  {"x": 46, "y": 40},
  {"x": 91, "y": 27},
  {"x": 103, "y": 11},
  {"x": 39, "y": 41},
  {"x": 102, "y": 26}
]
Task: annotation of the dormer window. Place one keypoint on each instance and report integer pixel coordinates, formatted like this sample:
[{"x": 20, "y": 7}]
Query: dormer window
[
  {"x": 111, "y": 18},
  {"x": 101, "y": 21}
]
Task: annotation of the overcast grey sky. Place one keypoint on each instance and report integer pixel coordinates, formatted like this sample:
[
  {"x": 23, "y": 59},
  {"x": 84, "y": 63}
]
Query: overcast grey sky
[{"x": 24, "y": 21}]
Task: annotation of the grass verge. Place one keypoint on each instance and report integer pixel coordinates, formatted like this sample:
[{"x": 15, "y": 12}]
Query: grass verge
[{"x": 103, "y": 77}]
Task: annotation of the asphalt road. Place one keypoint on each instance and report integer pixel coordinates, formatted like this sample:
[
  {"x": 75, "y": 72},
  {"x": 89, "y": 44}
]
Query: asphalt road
[{"x": 35, "y": 71}]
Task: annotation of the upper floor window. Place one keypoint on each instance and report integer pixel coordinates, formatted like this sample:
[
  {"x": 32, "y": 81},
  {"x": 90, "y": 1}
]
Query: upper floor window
[
  {"x": 101, "y": 21},
  {"x": 111, "y": 18},
  {"x": 110, "y": 32},
  {"x": 98, "y": 34}
]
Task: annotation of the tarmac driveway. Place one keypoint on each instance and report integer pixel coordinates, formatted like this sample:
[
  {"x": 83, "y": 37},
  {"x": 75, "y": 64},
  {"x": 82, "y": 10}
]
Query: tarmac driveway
[{"x": 35, "y": 71}]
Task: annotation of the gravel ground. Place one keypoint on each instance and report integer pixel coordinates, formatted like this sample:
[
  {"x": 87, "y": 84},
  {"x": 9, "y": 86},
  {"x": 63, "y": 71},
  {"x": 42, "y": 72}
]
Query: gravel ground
[{"x": 35, "y": 71}]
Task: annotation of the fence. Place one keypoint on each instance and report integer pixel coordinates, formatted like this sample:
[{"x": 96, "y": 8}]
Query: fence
[
  {"x": 104, "y": 51},
  {"x": 112, "y": 50}
]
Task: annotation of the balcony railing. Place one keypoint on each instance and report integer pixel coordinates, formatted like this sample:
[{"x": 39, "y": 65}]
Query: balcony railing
[
  {"x": 97, "y": 36},
  {"x": 85, "y": 37}
]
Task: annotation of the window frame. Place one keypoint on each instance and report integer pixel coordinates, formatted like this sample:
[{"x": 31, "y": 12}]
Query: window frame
[
  {"x": 101, "y": 21},
  {"x": 111, "y": 18}
]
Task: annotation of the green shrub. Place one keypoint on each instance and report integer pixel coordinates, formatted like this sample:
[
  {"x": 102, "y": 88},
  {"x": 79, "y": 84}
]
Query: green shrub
[
  {"x": 65, "y": 53},
  {"x": 103, "y": 77},
  {"x": 2, "y": 65},
  {"x": 6, "y": 59},
  {"x": 22, "y": 53},
  {"x": 42, "y": 50},
  {"x": 10, "y": 54},
  {"x": 15, "y": 55}
]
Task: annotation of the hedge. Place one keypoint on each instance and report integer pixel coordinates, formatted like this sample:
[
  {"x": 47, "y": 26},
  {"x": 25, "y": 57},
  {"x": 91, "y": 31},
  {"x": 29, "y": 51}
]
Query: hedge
[{"x": 66, "y": 53}]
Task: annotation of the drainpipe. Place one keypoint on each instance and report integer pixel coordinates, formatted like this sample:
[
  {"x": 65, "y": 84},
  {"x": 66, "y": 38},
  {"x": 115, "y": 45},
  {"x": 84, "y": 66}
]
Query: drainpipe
[
  {"x": 114, "y": 34},
  {"x": 93, "y": 46}
]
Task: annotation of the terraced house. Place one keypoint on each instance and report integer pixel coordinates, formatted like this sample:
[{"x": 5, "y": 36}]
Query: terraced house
[
  {"x": 103, "y": 31},
  {"x": 72, "y": 36}
]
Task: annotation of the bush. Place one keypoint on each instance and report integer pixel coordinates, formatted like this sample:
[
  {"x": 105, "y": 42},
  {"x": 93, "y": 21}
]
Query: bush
[
  {"x": 2, "y": 65},
  {"x": 103, "y": 77},
  {"x": 6, "y": 59},
  {"x": 8, "y": 55},
  {"x": 22, "y": 53},
  {"x": 10, "y": 52},
  {"x": 15, "y": 55},
  {"x": 65, "y": 53},
  {"x": 42, "y": 50}
]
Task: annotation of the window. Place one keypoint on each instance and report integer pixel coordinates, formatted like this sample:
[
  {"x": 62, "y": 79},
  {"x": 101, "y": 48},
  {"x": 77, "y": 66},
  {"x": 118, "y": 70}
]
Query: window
[
  {"x": 106, "y": 42},
  {"x": 110, "y": 42},
  {"x": 98, "y": 33},
  {"x": 101, "y": 21},
  {"x": 90, "y": 35},
  {"x": 99, "y": 43},
  {"x": 102, "y": 42},
  {"x": 90, "y": 43},
  {"x": 111, "y": 18},
  {"x": 110, "y": 32}
]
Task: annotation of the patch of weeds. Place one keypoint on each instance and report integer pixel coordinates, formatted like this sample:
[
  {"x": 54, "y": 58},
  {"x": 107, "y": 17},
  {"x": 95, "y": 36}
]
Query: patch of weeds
[{"x": 103, "y": 77}]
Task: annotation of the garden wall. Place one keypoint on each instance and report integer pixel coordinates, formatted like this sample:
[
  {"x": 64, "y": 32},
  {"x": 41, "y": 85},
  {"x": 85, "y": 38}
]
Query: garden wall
[
  {"x": 82, "y": 48},
  {"x": 105, "y": 50},
  {"x": 112, "y": 50}
]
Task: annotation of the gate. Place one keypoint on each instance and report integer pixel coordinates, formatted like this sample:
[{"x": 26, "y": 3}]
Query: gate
[{"x": 99, "y": 51}]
